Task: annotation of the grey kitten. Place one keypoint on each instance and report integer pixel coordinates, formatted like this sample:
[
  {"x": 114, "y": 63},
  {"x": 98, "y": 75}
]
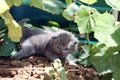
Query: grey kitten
[{"x": 53, "y": 45}]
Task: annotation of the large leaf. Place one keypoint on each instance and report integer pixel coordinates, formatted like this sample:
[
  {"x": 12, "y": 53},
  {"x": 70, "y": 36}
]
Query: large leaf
[
  {"x": 106, "y": 60},
  {"x": 52, "y": 6},
  {"x": 116, "y": 35},
  {"x": 14, "y": 29},
  {"x": 3, "y": 7},
  {"x": 116, "y": 75},
  {"x": 70, "y": 12},
  {"x": 89, "y": 1},
  {"x": 115, "y": 4},
  {"x": 14, "y": 2},
  {"x": 58, "y": 66},
  {"x": 2, "y": 25},
  {"x": 8, "y": 48},
  {"x": 104, "y": 28},
  {"x": 85, "y": 20},
  {"x": 61, "y": 71},
  {"x": 37, "y": 3},
  {"x": 86, "y": 50},
  {"x": 83, "y": 58},
  {"x": 68, "y": 2}
]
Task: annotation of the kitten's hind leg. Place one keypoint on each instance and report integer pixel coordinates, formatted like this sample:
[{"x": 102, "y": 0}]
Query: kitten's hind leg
[
  {"x": 23, "y": 53},
  {"x": 26, "y": 51}
]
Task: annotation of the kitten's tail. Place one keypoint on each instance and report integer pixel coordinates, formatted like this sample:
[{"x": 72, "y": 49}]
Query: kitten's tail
[{"x": 21, "y": 23}]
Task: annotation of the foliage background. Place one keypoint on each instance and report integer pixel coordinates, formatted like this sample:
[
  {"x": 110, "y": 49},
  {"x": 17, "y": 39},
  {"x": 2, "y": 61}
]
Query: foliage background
[{"x": 103, "y": 56}]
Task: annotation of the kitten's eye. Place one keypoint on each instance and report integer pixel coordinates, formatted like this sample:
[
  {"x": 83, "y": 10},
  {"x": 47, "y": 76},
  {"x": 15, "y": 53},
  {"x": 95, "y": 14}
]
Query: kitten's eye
[
  {"x": 66, "y": 48},
  {"x": 75, "y": 42},
  {"x": 58, "y": 47}
]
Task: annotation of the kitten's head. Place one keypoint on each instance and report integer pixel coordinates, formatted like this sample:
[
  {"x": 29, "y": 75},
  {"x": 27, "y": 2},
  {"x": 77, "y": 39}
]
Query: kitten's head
[{"x": 64, "y": 43}]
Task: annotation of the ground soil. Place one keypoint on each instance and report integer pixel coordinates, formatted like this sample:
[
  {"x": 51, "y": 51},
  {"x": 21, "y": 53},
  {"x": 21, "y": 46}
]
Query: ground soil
[{"x": 33, "y": 68}]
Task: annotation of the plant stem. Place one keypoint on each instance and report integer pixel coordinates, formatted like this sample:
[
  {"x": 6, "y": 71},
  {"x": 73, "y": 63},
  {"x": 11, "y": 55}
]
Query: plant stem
[
  {"x": 78, "y": 2},
  {"x": 87, "y": 38}
]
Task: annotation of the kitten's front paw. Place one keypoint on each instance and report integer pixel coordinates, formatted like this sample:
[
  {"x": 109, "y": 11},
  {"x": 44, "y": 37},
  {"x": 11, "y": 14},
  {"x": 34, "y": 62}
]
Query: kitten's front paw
[
  {"x": 71, "y": 63},
  {"x": 14, "y": 58},
  {"x": 57, "y": 60}
]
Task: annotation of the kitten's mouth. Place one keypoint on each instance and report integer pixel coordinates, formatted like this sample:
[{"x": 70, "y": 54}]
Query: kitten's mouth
[{"x": 61, "y": 53}]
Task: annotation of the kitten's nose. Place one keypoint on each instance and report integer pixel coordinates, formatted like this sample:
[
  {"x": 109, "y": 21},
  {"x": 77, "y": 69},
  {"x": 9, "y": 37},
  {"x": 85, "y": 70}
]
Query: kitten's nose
[{"x": 61, "y": 52}]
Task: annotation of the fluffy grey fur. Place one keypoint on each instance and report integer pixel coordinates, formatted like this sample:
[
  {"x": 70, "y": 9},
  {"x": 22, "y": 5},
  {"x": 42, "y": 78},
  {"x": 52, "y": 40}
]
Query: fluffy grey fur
[{"x": 53, "y": 45}]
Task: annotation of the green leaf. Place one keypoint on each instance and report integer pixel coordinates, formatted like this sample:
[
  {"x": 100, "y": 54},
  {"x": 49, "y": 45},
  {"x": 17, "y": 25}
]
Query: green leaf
[
  {"x": 104, "y": 28},
  {"x": 116, "y": 36},
  {"x": 53, "y": 29},
  {"x": 86, "y": 50},
  {"x": 53, "y": 23},
  {"x": 106, "y": 60},
  {"x": 57, "y": 72},
  {"x": 83, "y": 59},
  {"x": 17, "y": 2},
  {"x": 49, "y": 70},
  {"x": 116, "y": 75},
  {"x": 14, "y": 2},
  {"x": 14, "y": 29},
  {"x": 70, "y": 12},
  {"x": 63, "y": 76},
  {"x": 89, "y": 1},
  {"x": 57, "y": 63},
  {"x": 3, "y": 7},
  {"x": 85, "y": 20},
  {"x": 71, "y": 59},
  {"x": 37, "y": 3},
  {"x": 52, "y": 6},
  {"x": 68, "y": 2},
  {"x": 2, "y": 25},
  {"x": 82, "y": 20},
  {"x": 115, "y": 4},
  {"x": 8, "y": 48}
]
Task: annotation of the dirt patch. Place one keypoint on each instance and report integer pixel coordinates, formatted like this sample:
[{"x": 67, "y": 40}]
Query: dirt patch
[{"x": 33, "y": 68}]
